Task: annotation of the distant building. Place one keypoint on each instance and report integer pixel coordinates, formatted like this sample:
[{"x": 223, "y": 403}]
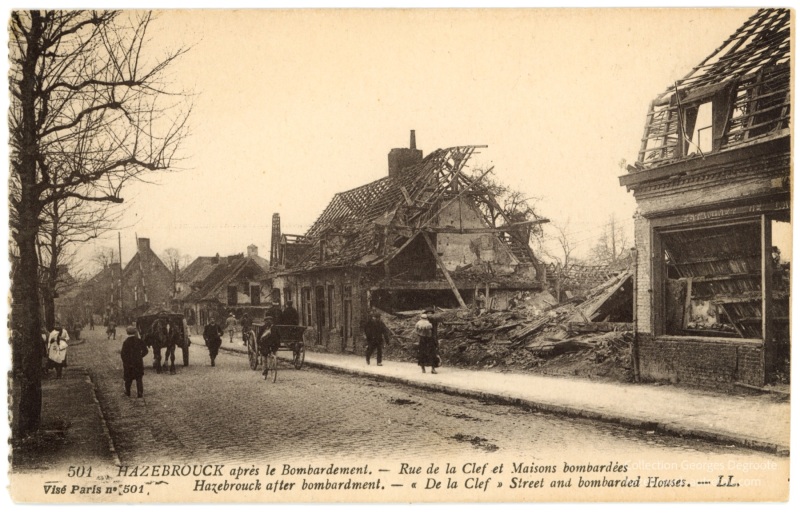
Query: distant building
[
  {"x": 147, "y": 282},
  {"x": 712, "y": 184},
  {"x": 215, "y": 286}
]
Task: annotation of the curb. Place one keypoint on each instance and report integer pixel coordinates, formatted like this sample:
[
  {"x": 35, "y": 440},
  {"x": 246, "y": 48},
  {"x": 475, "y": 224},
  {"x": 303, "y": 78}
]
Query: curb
[
  {"x": 103, "y": 421},
  {"x": 669, "y": 428},
  {"x": 644, "y": 424}
]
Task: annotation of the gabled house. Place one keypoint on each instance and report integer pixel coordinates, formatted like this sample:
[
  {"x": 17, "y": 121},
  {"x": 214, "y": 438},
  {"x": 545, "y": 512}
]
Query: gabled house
[
  {"x": 712, "y": 186},
  {"x": 218, "y": 286},
  {"x": 147, "y": 282},
  {"x": 426, "y": 234},
  {"x": 100, "y": 295}
]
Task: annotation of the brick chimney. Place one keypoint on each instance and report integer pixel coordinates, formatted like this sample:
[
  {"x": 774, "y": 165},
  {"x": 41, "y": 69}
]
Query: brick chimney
[
  {"x": 400, "y": 158},
  {"x": 142, "y": 244},
  {"x": 252, "y": 251}
]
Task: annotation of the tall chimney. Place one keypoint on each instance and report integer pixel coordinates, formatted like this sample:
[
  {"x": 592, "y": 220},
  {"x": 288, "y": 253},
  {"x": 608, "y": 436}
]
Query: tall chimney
[
  {"x": 400, "y": 158},
  {"x": 275, "y": 243}
]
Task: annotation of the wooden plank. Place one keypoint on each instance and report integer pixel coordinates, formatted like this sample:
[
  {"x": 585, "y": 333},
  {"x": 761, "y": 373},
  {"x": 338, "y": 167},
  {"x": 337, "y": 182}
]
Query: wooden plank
[
  {"x": 409, "y": 201},
  {"x": 444, "y": 270}
]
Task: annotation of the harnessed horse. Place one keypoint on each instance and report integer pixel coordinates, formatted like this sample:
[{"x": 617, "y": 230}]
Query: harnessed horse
[{"x": 163, "y": 334}]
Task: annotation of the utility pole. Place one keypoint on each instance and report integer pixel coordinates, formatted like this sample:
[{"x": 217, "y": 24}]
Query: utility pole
[{"x": 121, "y": 284}]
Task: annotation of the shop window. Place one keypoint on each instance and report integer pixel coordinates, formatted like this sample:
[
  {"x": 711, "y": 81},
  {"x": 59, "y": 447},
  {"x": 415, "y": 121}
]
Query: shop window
[{"x": 713, "y": 285}]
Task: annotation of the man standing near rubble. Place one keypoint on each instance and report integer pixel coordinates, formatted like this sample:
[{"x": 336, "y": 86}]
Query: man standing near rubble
[{"x": 376, "y": 332}]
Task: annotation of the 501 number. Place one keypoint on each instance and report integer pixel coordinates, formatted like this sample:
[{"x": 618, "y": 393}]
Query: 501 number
[{"x": 79, "y": 471}]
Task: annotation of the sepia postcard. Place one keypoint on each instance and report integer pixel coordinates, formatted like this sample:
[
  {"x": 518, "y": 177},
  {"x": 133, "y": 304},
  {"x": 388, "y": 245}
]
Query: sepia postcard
[{"x": 399, "y": 255}]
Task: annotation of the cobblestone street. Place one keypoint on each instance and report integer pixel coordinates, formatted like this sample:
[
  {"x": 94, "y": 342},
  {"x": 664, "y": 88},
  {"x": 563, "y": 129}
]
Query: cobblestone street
[{"x": 229, "y": 413}]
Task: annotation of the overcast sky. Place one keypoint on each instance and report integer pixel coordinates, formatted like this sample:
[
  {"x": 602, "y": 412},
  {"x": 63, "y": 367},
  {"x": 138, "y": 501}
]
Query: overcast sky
[{"x": 292, "y": 107}]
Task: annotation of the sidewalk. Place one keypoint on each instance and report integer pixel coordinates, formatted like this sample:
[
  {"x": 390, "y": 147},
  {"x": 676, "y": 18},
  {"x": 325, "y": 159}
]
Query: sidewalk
[
  {"x": 72, "y": 431},
  {"x": 758, "y": 422}
]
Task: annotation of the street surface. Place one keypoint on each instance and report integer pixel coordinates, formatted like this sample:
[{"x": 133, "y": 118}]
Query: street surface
[{"x": 228, "y": 413}]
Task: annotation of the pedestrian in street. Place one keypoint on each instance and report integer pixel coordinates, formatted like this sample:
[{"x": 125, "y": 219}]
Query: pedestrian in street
[
  {"x": 132, "y": 353},
  {"x": 376, "y": 333},
  {"x": 230, "y": 325},
  {"x": 246, "y": 323},
  {"x": 111, "y": 329},
  {"x": 289, "y": 315},
  {"x": 268, "y": 342},
  {"x": 91, "y": 322},
  {"x": 213, "y": 337},
  {"x": 57, "y": 349},
  {"x": 428, "y": 350}
]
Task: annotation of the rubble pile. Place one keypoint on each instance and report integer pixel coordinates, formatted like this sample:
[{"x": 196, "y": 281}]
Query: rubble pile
[{"x": 533, "y": 333}]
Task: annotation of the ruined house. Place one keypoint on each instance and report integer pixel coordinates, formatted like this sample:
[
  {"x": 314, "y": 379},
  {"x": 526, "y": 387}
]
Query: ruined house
[
  {"x": 712, "y": 185},
  {"x": 428, "y": 233}
]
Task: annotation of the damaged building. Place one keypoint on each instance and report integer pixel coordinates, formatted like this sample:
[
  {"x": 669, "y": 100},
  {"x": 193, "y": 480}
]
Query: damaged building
[
  {"x": 712, "y": 186},
  {"x": 429, "y": 233}
]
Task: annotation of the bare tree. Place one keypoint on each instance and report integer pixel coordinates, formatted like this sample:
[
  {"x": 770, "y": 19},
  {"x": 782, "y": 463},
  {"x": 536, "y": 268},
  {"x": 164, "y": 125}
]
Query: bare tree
[
  {"x": 176, "y": 262},
  {"x": 612, "y": 244},
  {"x": 562, "y": 252},
  {"x": 89, "y": 112},
  {"x": 502, "y": 205},
  {"x": 67, "y": 222}
]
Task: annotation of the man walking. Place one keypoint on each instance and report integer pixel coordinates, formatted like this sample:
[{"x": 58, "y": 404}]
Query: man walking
[
  {"x": 230, "y": 325},
  {"x": 376, "y": 333},
  {"x": 132, "y": 353},
  {"x": 246, "y": 323},
  {"x": 213, "y": 337}
]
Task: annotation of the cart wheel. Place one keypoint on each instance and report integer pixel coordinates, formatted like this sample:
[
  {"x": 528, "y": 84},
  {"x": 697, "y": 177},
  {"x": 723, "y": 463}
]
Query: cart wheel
[
  {"x": 299, "y": 355},
  {"x": 272, "y": 367},
  {"x": 252, "y": 350},
  {"x": 185, "y": 349}
]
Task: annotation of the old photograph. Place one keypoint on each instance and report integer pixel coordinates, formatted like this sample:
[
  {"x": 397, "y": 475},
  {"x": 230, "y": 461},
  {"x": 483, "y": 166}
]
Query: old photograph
[{"x": 399, "y": 255}]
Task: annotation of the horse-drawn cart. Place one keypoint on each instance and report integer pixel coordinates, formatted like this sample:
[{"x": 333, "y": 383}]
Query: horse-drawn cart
[
  {"x": 165, "y": 330},
  {"x": 291, "y": 339}
]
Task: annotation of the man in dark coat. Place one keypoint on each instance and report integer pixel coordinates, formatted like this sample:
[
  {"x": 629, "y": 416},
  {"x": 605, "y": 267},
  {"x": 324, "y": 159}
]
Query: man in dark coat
[
  {"x": 289, "y": 316},
  {"x": 247, "y": 324},
  {"x": 132, "y": 353},
  {"x": 269, "y": 342},
  {"x": 274, "y": 311},
  {"x": 213, "y": 337},
  {"x": 376, "y": 332}
]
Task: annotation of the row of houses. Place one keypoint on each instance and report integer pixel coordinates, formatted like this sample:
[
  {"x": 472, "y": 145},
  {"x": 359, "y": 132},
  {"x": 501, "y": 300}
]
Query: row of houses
[{"x": 711, "y": 182}]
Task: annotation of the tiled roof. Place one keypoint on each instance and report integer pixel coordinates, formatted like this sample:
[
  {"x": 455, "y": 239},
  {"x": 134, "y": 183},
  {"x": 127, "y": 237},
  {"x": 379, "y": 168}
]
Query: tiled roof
[
  {"x": 222, "y": 275},
  {"x": 353, "y": 224}
]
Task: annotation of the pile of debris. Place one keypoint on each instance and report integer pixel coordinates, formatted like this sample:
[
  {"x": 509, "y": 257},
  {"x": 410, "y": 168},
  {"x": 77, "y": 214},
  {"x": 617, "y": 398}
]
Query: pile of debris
[{"x": 589, "y": 336}]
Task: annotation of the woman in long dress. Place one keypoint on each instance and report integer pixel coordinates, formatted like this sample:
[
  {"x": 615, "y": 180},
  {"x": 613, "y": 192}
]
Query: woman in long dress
[{"x": 428, "y": 352}]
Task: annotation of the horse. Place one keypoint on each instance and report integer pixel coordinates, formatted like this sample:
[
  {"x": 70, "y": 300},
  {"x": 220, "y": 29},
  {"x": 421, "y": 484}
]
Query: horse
[{"x": 163, "y": 334}]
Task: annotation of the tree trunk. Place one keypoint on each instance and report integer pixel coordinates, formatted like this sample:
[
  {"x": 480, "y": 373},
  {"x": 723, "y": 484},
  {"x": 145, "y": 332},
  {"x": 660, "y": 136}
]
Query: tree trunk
[{"x": 25, "y": 288}]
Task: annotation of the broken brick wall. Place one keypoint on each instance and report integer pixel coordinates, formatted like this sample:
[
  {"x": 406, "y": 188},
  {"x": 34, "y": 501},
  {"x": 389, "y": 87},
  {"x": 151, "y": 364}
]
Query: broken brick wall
[{"x": 700, "y": 362}]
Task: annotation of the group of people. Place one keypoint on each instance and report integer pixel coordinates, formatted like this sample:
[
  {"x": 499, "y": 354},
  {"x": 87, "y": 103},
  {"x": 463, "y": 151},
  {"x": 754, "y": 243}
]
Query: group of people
[
  {"x": 376, "y": 333},
  {"x": 267, "y": 339},
  {"x": 134, "y": 349}
]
